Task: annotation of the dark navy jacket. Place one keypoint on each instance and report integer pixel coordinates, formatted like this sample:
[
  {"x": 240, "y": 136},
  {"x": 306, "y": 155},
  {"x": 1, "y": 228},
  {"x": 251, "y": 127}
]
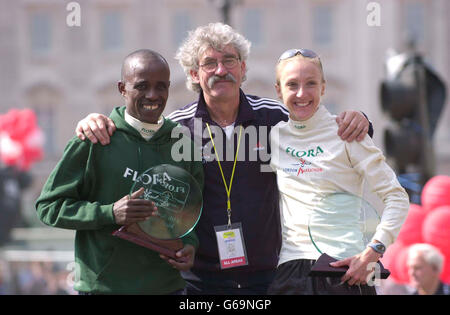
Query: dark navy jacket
[{"x": 254, "y": 193}]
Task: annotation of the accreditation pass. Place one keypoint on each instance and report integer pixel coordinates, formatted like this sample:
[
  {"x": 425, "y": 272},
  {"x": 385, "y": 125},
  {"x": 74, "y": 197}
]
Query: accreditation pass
[{"x": 230, "y": 243}]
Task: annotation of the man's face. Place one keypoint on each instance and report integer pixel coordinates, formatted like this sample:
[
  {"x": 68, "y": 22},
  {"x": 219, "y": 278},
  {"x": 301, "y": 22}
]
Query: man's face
[
  {"x": 420, "y": 272},
  {"x": 225, "y": 80},
  {"x": 145, "y": 88}
]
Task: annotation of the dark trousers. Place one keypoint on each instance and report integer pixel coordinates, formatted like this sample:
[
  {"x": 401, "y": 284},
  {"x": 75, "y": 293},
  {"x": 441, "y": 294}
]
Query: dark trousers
[
  {"x": 253, "y": 283},
  {"x": 292, "y": 278}
]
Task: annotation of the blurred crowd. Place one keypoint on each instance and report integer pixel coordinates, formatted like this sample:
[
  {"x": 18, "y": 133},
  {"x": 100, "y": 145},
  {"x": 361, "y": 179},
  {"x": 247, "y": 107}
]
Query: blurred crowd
[{"x": 35, "y": 278}]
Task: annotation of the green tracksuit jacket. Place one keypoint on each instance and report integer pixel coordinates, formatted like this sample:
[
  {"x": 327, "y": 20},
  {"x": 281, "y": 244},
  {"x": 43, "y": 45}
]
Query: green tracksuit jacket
[{"x": 80, "y": 192}]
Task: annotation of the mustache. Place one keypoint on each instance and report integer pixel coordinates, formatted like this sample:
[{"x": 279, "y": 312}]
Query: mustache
[{"x": 228, "y": 77}]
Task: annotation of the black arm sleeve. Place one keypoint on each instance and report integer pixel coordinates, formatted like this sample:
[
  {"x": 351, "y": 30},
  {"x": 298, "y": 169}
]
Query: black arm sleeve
[{"x": 370, "y": 132}]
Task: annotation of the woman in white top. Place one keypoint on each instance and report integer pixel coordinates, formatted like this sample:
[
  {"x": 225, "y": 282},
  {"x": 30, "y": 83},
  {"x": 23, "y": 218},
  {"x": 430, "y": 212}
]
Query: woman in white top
[{"x": 311, "y": 162}]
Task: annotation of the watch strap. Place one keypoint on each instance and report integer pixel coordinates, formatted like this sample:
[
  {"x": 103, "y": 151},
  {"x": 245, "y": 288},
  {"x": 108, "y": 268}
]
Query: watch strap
[{"x": 378, "y": 247}]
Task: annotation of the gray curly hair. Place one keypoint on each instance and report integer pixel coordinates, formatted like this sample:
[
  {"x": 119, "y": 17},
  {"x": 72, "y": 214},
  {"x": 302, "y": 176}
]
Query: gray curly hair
[{"x": 215, "y": 35}]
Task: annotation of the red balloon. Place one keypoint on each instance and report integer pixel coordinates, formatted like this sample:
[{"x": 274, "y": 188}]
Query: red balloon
[
  {"x": 436, "y": 229},
  {"x": 18, "y": 123},
  {"x": 411, "y": 231},
  {"x": 401, "y": 267},
  {"x": 436, "y": 192},
  {"x": 394, "y": 259},
  {"x": 11, "y": 151},
  {"x": 21, "y": 140}
]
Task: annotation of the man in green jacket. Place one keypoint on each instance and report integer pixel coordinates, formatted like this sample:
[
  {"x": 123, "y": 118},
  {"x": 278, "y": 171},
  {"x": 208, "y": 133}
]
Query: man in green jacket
[{"x": 88, "y": 189}]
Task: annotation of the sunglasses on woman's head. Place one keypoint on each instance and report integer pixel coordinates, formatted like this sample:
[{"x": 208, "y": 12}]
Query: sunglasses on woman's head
[{"x": 294, "y": 52}]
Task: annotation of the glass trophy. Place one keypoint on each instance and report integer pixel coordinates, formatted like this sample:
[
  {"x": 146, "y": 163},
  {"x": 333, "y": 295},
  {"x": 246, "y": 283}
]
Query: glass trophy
[
  {"x": 340, "y": 226},
  {"x": 178, "y": 197}
]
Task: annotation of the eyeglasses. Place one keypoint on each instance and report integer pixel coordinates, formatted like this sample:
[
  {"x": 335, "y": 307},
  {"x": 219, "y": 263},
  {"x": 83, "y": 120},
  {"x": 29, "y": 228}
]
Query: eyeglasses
[
  {"x": 294, "y": 52},
  {"x": 228, "y": 62}
]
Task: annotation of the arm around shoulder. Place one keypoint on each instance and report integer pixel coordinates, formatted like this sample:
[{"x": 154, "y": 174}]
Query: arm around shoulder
[{"x": 95, "y": 127}]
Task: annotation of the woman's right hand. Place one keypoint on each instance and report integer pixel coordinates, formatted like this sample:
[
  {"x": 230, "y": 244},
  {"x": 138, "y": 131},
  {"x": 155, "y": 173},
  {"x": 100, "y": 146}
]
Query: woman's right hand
[{"x": 96, "y": 127}]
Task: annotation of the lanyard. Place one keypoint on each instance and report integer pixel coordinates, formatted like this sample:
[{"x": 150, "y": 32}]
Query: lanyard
[{"x": 227, "y": 188}]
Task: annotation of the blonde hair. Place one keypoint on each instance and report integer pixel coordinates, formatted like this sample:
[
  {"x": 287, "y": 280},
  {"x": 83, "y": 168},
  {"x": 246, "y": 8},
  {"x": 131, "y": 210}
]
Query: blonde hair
[
  {"x": 214, "y": 35},
  {"x": 282, "y": 63}
]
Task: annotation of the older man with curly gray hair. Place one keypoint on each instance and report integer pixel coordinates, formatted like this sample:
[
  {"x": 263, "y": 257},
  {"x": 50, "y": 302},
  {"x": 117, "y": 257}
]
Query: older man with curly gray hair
[{"x": 216, "y": 36}]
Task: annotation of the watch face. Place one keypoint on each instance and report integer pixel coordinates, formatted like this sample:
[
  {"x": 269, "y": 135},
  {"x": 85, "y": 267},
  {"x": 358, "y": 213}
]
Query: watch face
[{"x": 380, "y": 247}]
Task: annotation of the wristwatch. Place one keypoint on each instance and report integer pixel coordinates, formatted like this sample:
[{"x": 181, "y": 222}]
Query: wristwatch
[{"x": 378, "y": 247}]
